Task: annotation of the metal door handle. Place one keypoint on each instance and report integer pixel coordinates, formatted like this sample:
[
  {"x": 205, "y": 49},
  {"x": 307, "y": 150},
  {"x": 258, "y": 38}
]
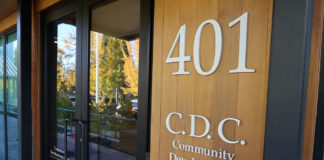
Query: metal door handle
[
  {"x": 81, "y": 123},
  {"x": 82, "y": 130},
  {"x": 65, "y": 138}
]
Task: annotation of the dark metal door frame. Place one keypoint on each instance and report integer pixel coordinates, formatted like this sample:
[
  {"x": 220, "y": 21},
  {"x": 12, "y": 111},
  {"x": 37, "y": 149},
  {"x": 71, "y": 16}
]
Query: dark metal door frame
[
  {"x": 145, "y": 67},
  {"x": 24, "y": 25},
  {"x": 49, "y": 70},
  {"x": 82, "y": 72},
  {"x": 289, "y": 67}
]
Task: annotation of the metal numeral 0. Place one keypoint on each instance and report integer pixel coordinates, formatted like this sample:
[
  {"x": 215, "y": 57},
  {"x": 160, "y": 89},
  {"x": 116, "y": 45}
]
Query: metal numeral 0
[
  {"x": 241, "y": 68},
  {"x": 218, "y": 47}
]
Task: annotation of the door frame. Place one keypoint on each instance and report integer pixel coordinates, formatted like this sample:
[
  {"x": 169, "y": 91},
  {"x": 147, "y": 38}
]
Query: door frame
[
  {"x": 82, "y": 71},
  {"x": 288, "y": 79},
  {"x": 59, "y": 11}
]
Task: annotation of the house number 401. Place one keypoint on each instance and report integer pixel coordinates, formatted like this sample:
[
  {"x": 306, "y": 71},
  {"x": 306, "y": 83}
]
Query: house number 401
[{"x": 243, "y": 19}]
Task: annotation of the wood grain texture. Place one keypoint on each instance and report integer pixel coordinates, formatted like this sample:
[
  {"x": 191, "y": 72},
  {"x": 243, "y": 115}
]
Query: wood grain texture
[
  {"x": 9, "y": 10},
  {"x": 44, "y": 4},
  {"x": 8, "y": 22},
  {"x": 36, "y": 83},
  {"x": 219, "y": 95},
  {"x": 313, "y": 80}
]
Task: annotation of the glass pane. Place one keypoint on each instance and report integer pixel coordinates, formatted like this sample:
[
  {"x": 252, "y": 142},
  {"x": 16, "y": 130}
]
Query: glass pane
[
  {"x": 114, "y": 53},
  {"x": 64, "y": 46},
  {"x": 12, "y": 95},
  {"x": 2, "y": 140}
]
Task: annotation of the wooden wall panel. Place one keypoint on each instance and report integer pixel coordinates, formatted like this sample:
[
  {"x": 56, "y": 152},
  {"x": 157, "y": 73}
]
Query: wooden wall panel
[
  {"x": 8, "y": 11},
  {"x": 44, "y": 4},
  {"x": 313, "y": 80},
  {"x": 219, "y": 95},
  {"x": 8, "y": 22},
  {"x": 36, "y": 84}
]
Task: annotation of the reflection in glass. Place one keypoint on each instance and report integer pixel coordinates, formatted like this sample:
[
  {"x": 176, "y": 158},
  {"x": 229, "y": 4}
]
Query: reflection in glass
[
  {"x": 2, "y": 129},
  {"x": 12, "y": 95},
  {"x": 65, "y": 97},
  {"x": 64, "y": 47},
  {"x": 113, "y": 88}
]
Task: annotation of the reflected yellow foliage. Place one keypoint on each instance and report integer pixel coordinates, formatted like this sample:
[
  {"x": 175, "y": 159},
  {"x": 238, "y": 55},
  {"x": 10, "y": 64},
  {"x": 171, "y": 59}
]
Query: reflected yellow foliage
[
  {"x": 116, "y": 81},
  {"x": 131, "y": 68}
]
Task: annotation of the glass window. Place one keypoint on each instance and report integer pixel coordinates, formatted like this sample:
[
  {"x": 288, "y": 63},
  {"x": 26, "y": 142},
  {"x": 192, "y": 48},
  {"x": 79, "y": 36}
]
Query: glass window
[
  {"x": 8, "y": 97},
  {"x": 2, "y": 129},
  {"x": 12, "y": 95}
]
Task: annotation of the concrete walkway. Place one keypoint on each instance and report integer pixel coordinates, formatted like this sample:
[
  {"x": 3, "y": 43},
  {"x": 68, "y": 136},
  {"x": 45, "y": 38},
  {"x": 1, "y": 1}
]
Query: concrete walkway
[
  {"x": 105, "y": 152},
  {"x": 94, "y": 154}
]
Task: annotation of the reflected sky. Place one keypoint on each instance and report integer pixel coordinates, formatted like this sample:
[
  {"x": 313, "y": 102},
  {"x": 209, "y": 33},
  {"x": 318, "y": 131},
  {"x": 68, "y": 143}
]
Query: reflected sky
[{"x": 65, "y": 43}]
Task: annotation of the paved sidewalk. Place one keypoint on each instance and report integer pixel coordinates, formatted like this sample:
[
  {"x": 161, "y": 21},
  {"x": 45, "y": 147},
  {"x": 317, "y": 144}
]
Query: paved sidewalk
[{"x": 104, "y": 153}]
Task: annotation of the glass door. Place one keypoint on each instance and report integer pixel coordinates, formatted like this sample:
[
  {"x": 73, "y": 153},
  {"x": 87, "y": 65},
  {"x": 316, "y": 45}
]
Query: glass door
[
  {"x": 62, "y": 110},
  {"x": 113, "y": 79},
  {"x": 65, "y": 107},
  {"x": 91, "y": 78}
]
